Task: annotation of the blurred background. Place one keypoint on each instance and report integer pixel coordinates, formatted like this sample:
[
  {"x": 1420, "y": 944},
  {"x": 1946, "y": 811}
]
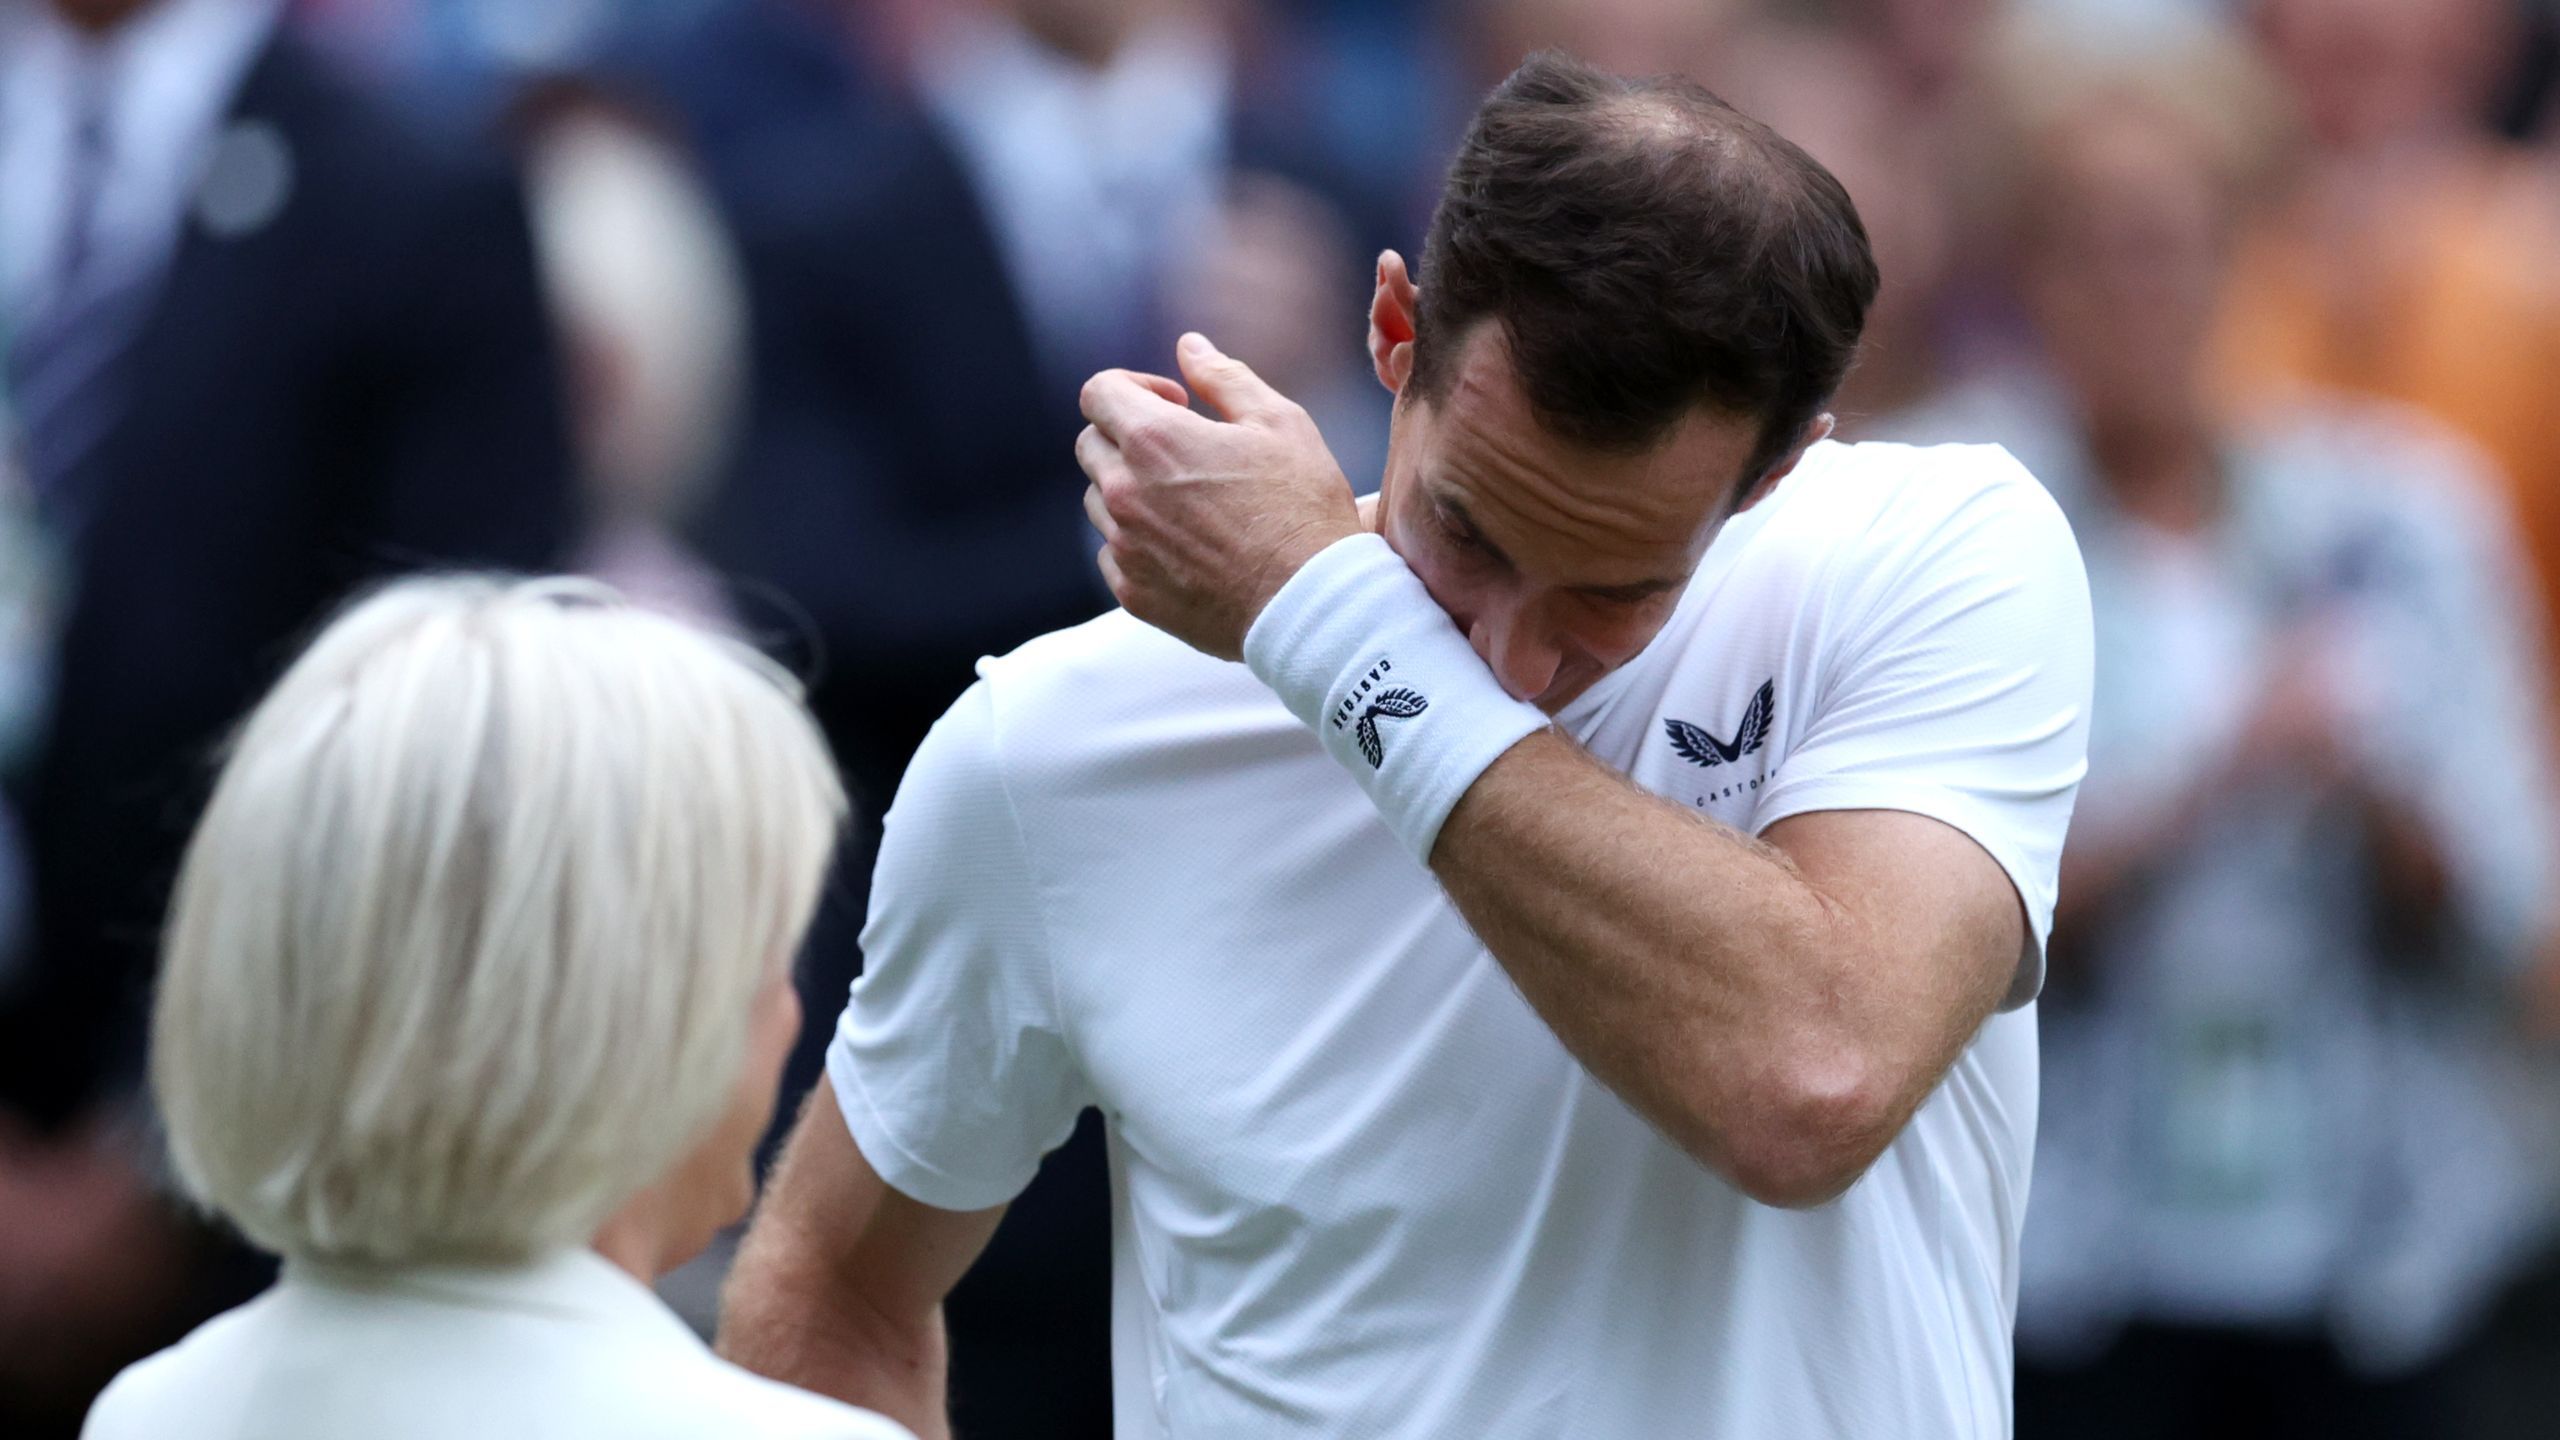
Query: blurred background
[{"x": 774, "y": 311}]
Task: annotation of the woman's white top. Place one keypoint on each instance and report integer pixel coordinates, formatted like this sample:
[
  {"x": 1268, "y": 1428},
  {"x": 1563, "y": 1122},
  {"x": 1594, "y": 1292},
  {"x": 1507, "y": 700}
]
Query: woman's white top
[{"x": 568, "y": 1346}]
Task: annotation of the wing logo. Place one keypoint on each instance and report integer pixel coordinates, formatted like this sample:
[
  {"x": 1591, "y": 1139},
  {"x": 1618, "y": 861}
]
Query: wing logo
[
  {"x": 1397, "y": 704},
  {"x": 1699, "y": 748}
]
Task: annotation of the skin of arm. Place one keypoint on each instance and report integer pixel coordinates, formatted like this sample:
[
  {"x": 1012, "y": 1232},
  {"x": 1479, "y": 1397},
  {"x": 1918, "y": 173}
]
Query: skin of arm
[
  {"x": 1777, "y": 1009},
  {"x": 838, "y": 1286}
]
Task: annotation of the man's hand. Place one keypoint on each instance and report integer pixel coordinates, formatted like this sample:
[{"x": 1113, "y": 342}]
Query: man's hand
[
  {"x": 1204, "y": 520},
  {"x": 2298, "y": 727}
]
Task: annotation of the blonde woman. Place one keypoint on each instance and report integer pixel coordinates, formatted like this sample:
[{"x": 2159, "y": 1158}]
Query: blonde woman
[{"x": 476, "y": 993}]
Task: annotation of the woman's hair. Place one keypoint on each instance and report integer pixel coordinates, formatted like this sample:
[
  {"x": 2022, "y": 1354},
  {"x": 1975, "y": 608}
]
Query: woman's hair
[{"x": 463, "y": 953}]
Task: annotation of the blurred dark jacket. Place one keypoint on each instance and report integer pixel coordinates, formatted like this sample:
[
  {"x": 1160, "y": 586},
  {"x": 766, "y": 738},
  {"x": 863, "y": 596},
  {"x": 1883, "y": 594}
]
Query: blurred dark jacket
[
  {"x": 357, "y": 380},
  {"x": 906, "y": 487},
  {"x": 905, "y": 499}
]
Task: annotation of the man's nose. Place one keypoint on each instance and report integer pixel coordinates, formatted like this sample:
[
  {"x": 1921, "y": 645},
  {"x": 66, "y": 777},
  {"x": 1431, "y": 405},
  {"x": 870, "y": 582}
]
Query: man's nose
[{"x": 1518, "y": 650}]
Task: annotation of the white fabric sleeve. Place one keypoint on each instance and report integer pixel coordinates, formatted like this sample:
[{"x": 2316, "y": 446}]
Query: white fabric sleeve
[
  {"x": 1959, "y": 687},
  {"x": 950, "y": 1062},
  {"x": 1357, "y": 649}
]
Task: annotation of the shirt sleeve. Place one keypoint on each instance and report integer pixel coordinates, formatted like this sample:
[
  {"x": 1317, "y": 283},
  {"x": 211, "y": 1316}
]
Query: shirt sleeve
[
  {"x": 950, "y": 1061},
  {"x": 1959, "y": 685}
]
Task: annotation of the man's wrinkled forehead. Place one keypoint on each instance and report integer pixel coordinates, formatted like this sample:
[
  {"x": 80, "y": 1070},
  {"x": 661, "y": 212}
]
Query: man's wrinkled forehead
[{"x": 1485, "y": 439}]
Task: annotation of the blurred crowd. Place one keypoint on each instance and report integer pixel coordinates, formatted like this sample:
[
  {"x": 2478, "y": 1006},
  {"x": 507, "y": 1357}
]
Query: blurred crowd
[{"x": 773, "y": 312}]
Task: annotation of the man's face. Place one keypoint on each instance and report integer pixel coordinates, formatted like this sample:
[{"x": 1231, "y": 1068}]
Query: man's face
[{"x": 1560, "y": 562}]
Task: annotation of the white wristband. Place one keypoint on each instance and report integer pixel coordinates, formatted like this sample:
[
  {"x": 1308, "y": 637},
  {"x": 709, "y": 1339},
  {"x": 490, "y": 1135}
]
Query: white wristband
[{"x": 1358, "y": 650}]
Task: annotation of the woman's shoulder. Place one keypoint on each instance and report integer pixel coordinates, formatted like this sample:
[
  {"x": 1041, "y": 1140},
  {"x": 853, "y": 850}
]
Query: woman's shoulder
[
  {"x": 202, "y": 1378},
  {"x": 293, "y": 1364},
  {"x": 644, "y": 1376}
]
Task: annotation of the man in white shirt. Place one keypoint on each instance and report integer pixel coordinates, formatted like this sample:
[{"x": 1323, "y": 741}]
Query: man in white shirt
[{"x": 1572, "y": 979}]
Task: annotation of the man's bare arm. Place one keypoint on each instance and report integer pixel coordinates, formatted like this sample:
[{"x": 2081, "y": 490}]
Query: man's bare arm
[
  {"x": 1778, "y": 1009},
  {"x": 838, "y": 1286}
]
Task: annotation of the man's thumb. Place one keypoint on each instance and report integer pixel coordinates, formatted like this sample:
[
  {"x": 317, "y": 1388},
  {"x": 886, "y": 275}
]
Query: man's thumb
[{"x": 1226, "y": 383}]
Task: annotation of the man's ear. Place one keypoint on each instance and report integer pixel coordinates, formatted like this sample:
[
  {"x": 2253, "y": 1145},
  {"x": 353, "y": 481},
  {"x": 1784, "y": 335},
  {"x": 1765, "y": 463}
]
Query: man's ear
[
  {"x": 1816, "y": 431},
  {"x": 1391, "y": 313}
]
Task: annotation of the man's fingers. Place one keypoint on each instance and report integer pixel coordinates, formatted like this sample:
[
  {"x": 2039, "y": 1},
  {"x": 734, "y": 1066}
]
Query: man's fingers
[
  {"x": 1099, "y": 513},
  {"x": 1111, "y": 576},
  {"x": 1097, "y": 456},
  {"x": 1170, "y": 389},
  {"x": 1226, "y": 383},
  {"x": 1118, "y": 402}
]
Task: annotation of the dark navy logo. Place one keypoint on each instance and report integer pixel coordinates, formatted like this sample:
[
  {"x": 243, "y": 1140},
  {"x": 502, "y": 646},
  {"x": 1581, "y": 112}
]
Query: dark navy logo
[
  {"x": 1390, "y": 705},
  {"x": 1383, "y": 704},
  {"x": 1707, "y": 752}
]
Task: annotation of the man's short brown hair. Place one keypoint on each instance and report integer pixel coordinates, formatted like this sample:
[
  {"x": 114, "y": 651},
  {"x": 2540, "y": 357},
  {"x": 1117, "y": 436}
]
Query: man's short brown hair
[{"x": 1647, "y": 249}]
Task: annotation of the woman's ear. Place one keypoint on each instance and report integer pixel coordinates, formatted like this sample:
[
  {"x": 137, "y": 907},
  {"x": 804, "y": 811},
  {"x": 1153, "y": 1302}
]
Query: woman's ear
[{"x": 1391, "y": 313}]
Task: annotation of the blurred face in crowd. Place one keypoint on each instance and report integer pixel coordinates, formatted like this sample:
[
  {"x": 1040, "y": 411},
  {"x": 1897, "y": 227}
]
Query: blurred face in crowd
[
  {"x": 1559, "y": 561},
  {"x": 1090, "y": 31},
  {"x": 2121, "y": 260},
  {"x": 1627, "y": 37},
  {"x": 99, "y": 15},
  {"x": 1927, "y": 39},
  {"x": 2367, "y": 72},
  {"x": 1832, "y": 93}
]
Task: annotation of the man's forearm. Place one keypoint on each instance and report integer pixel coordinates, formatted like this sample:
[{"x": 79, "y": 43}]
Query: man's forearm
[
  {"x": 780, "y": 1327},
  {"x": 1697, "y": 972}
]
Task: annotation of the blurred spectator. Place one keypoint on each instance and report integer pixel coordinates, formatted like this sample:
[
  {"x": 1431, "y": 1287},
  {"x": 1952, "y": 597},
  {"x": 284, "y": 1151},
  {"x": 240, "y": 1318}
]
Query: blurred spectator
[
  {"x": 2417, "y": 256},
  {"x": 1929, "y": 46},
  {"x": 2282, "y": 1165},
  {"x": 1839, "y": 97},
  {"x": 1629, "y": 37},
  {"x": 903, "y": 497},
  {"x": 1868, "y": 87},
  {"x": 266, "y": 343},
  {"x": 942, "y": 238},
  {"x": 651, "y": 309},
  {"x": 1265, "y": 278},
  {"x": 270, "y": 345},
  {"x": 948, "y": 217}
]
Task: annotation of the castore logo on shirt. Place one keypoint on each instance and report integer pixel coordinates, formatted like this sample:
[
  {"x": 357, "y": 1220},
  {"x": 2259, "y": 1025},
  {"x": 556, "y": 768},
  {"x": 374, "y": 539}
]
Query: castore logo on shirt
[{"x": 1697, "y": 745}]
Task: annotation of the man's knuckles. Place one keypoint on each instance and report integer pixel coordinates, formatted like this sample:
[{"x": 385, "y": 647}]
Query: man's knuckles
[
  {"x": 1112, "y": 483},
  {"x": 1151, "y": 441}
]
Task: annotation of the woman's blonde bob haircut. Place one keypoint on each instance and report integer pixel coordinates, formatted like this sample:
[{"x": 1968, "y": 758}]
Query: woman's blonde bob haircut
[{"x": 464, "y": 951}]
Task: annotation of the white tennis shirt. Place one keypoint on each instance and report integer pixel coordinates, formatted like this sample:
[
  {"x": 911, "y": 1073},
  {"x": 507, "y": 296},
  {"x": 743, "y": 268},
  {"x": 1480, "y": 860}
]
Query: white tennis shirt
[{"x": 1360, "y": 1190}]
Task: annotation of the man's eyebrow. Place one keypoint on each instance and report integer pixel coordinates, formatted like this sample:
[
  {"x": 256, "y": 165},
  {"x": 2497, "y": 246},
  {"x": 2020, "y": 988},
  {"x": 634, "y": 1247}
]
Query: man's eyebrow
[
  {"x": 1453, "y": 513},
  {"x": 1634, "y": 592}
]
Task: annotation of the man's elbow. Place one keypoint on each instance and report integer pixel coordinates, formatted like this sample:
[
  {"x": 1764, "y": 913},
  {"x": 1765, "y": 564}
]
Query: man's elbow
[{"x": 1809, "y": 1135}]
